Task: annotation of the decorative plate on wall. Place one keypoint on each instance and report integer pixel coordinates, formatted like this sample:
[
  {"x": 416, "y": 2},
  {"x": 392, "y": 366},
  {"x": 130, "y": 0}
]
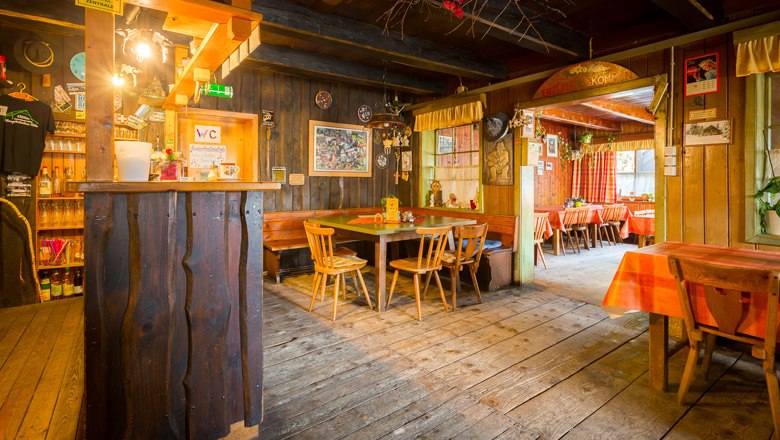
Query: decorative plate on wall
[
  {"x": 382, "y": 160},
  {"x": 323, "y": 99},
  {"x": 364, "y": 113},
  {"x": 77, "y": 66}
]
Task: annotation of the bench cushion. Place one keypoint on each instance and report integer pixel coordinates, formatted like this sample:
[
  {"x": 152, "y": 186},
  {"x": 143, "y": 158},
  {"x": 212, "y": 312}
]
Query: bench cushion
[{"x": 296, "y": 243}]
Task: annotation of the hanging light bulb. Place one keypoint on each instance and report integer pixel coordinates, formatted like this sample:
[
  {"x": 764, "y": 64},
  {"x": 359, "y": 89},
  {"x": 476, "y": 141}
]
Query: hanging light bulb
[{"x": 119, "y": 80}]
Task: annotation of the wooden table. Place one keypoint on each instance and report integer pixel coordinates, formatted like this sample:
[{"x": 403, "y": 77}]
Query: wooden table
[
  {"x": 643, "y": 226},
  {"x": 643, "y": 283},
  {"x": 383, "y": 233},
  {"x": 594, "y": 220}
]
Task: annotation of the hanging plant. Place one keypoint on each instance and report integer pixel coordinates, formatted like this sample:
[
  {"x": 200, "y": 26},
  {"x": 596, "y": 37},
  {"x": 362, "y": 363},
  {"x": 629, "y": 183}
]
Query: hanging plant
[
  {"x": 586, "y": 138},
  {"x": 539, "y": 131},
  {"x": 611, "y": 142}
]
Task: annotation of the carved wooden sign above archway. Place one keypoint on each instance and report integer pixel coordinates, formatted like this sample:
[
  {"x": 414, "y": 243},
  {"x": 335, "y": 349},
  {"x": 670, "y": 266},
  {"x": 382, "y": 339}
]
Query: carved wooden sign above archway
[{"x": 582, "y": 76}]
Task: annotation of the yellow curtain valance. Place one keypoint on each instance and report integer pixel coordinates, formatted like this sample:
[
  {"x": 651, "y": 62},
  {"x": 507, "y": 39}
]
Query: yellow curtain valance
[
  {"x": 758, "y": 49},
  {"x": 449, "y": 112},
  {"x": 644, "y": 144}
]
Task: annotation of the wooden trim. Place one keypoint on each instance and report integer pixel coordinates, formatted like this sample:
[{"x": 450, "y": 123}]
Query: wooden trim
[
  {"x": 99, "y": 49},
  {"x": 208, "y": 10},
  {"x": 156, "y": 187},
  {"x": 581, "y": 96},
  {"x": 38, "y": 19}
]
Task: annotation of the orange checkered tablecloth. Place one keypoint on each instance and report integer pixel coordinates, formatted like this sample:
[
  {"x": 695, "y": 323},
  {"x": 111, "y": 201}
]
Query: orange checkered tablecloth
[
  {"x": 642, "y": 225},
  {"x": 556, "y": 214},
  {"x": 643, "y": 281}
]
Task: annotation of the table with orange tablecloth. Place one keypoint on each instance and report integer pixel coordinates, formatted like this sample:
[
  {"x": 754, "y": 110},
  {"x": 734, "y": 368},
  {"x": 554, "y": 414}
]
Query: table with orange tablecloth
[
  {"x": 594, "y": 219},
  {"x": 641, "y": 225},
  {"x": 643, "y": 283}
]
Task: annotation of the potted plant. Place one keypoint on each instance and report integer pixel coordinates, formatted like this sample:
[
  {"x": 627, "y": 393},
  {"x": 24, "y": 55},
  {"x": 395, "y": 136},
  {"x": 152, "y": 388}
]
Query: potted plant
[
  {"x": 768, "y": 207},
  {"x": 586, "y": 138}
]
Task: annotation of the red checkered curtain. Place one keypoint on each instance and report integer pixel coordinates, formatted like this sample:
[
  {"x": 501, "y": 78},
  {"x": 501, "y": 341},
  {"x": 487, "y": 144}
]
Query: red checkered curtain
[{"x": 593, "y": 177}]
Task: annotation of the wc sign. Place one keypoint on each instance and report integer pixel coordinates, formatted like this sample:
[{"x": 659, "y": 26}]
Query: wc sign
[{"x": 208, "y": 134}]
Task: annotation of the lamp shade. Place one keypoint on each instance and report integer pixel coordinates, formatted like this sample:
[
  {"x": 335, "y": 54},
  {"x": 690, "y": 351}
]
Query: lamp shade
[{"x": 386, "y": 121}]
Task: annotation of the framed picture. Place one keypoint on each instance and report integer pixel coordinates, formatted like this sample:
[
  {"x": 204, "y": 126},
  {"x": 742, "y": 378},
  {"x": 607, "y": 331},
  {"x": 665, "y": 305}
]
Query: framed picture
[
  {"x": 540, "y": 168},
  {"x": 552, "y": 145},
  {"x": 279, "y": 174},
  {"x": 708, "y": 133},
  {"x": 528, "y": 129},
  {"x": 498, "y": 160},
  {"x": 339, "y": 150},
  {"x": 406, "y": 161},
  {"x": 548, "y": 166},
  {"x": 702, "y": 74}
]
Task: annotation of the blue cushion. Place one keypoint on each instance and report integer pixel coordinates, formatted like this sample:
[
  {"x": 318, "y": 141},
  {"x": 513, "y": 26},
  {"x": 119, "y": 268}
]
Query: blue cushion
[{"x": 489, "y": 244}]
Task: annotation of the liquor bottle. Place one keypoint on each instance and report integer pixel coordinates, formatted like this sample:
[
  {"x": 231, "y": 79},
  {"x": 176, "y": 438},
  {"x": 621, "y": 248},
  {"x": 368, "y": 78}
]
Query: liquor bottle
[
  {"x": 67, "y": 178},
  {"x": 67, "y": 284},
  {"x": 56, "y": 285},
  {"x": 45, "y": 287},
  {"x": 56, "y": 182},
  {"x": 44, "y": 186},
  {"x": 157, "y": 159},
  {"x": 78, "y": 284}
]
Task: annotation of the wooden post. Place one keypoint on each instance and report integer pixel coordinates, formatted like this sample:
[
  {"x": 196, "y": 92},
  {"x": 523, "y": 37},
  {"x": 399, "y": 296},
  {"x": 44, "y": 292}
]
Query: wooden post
[
  {"x": 523, "y": 267},
  {"x": 99, "y": 51}
]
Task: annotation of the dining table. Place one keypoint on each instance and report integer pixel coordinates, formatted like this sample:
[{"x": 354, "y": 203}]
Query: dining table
[
  {"x": 594, "y": 220},
  {"x": 367, "y": 228},
  {"x": 643, "y": 226},
  {"x": 644, "y": 283}
]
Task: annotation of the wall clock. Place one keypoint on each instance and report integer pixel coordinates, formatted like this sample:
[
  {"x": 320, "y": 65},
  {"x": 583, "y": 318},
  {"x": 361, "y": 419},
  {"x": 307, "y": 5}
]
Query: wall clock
[
  {"x": 382, "y": 160},
  {"x": 364, "y": 113},
  {"x": 77, "y": 64},
  {"x": 323, "y": 99}
]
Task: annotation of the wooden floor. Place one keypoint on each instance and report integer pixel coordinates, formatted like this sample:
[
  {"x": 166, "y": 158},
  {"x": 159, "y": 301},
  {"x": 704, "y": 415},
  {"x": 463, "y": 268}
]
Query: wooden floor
[
  {"x": 41, "y": 370},
  {"x": 541, "y": 361}
]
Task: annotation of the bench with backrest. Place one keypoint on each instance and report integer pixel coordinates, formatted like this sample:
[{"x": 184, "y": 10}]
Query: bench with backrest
[
  {"x": 283, "y": 232},
  {"x": 495, "y": 271}
]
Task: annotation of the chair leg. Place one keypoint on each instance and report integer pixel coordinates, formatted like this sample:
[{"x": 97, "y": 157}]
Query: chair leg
[
  {"x": 363, "y": 286},
  {"x": 343, "y": 286},
  {"x": 392, "y": 288},
  {"x": 323, "y": 282},
  {"x": 427, "y": 280},
  {"x": 597, "y": 231},
  {"x": 574, "y": 242},
  {"x": 417, "y": 295},
  {"x": 339, "y": 278},
  {"x": 322, "y": 293},
  {"x": 618, "y": 238},
  {"x": 709, "y": 346},
  {"x": 441, "y": 291},
  {"x": 315, "y": 283},
  {"x": 354, "y": 282},
  {"x": 476, "y": 285},
  {"x": 453, "y": 290},
  {"x": 586, "y": 238},
  {"x": 774, "y": 394},
  {"x": 690, "y": 365},
  {"x": 541, "y": 254},
  {"x": 562, "y": 246}
]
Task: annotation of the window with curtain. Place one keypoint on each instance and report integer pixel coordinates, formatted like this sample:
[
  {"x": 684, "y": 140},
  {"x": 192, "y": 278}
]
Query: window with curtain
[
  {"x": 635, "y": 172},
  {"x": 456, "y": 160}
]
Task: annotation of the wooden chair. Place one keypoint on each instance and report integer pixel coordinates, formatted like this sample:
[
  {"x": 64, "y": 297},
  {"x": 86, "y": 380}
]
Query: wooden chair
[
  {"x": 725, "y": 291},
  {"x": 341, "y": 251},
  {"x": 470, "y": 239},
  {"x": 580, "y": 227},
  {"x": 326, "y": 263},
  {"x": 611, "y": 214},
  {"x": 568, "y": 220},
  {"x": 433, "y": 241},
  {"x": 540, "y": 226}
]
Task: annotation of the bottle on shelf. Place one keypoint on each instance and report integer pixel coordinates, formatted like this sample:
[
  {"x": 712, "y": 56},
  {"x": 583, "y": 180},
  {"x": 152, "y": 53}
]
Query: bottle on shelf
[
  {"x": 44, "y": 215},
  {"x": 45, "y": 184},
  {"x": 78, "y": 283},
  {"x": 67, "y": 283},
  {"x": 67, "y": 178},
  {"x": 56, "y": 285},
  {"x": 157, "y": 159},
  {"x": 45, "y": 293},
  {"x": 56, "y": 183}
]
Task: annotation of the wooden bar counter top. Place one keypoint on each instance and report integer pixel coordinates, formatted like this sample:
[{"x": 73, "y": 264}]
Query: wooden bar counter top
[{"x": 173, "y": 309}]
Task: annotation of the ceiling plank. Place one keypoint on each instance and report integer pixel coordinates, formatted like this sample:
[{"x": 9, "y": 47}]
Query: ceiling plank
[
  {"x": 285, "y": 17},
  {"x": 693, "y": 14},
  {"x": 573, "y": 118},
  {"x": 637, "y": 114},
  {"x": 515, "y": 24},
  {"x": 296, "y": 62}
]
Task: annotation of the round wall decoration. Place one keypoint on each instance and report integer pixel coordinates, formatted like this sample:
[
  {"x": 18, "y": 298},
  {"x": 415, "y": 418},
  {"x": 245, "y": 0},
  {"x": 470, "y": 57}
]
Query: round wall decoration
[
  {"x": 364, "y": 113},
  {"x": 323, "y": 99},
  {"x": 77, "y": 66},
  {"x": 382, "y": 161}
]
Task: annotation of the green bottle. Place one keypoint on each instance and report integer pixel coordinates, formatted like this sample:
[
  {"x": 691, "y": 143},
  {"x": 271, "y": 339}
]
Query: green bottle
[
  {"x": 45, "y": 287},
  {"x": 218, "y": 90}
]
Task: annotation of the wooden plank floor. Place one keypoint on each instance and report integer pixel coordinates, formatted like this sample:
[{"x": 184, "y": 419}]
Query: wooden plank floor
[
  {"x": 41, "y": 370},
  {"x": 538, "y": 362}
]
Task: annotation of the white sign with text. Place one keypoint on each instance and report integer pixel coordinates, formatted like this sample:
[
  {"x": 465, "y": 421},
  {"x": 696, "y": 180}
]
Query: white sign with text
[{"x": 208, "y": 133}]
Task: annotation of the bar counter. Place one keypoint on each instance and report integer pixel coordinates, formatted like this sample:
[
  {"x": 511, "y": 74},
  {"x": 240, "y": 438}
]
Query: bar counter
[{"x": 173, "y": 307}]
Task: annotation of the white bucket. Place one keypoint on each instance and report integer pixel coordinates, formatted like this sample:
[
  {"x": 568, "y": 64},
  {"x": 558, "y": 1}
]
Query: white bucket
[{"x": 132, "y": 160}]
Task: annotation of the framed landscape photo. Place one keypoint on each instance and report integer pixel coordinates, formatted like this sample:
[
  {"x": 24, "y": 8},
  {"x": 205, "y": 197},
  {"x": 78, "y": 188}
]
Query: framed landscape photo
[
  {"x": 552, "y": 145},
  {"x": 339, "y": 150},
  {"x": 708, "y": 133}
]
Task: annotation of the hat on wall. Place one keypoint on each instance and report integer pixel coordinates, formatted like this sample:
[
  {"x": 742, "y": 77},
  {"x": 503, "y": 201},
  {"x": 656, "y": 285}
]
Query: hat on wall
[
  {"x": 37, "y": 53},
  {"x": 496, "y": 126}
]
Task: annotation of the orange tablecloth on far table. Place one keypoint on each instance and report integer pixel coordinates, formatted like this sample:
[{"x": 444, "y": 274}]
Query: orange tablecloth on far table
[
  {"x": 556, "y": 216},
  {"x": 643, "y": 281},
  {"x": 642, "y": 225}
]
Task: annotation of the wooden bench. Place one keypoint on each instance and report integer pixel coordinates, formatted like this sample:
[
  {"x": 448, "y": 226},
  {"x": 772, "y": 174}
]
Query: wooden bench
[
  {"x": 495, "y": 271},
  {"x": 283, "y": 231}
]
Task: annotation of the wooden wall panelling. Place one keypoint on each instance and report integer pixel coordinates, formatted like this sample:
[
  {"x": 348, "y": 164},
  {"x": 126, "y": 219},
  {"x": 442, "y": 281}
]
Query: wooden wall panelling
[
  {"x": 693, "y": 163},
  {"x": 303, "y": 147},
  {"x": 674, "y": 199},
  {"x": 736, "y": 155}
]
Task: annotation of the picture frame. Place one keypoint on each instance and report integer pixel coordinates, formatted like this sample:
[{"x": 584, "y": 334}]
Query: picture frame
[
  {"x": 406, "y": 161},
  {"x": 548, "y": 166},
  {"x": 708, "y": 133},
  {"x": 552, "y": 145},
  {"x": 540, "y": 168},
  {"x": 702, "y": 74},
  {"x": 339, "y": 149},
  {"x": 279, "y": 174}
]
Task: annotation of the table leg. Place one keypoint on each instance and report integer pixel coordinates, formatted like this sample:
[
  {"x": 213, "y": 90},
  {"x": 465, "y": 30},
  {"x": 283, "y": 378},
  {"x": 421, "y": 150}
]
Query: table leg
[
  {"x": 556, "y": 241},
  {"x": 658, "y": 352},
  {"x": 380, "y": 268},
  {"x": 592, "y": 231},
  {"x": 641, "y": 241}
]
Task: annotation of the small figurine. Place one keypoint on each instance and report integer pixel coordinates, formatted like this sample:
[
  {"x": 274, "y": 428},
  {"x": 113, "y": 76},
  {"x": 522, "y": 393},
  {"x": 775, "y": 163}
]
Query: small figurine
[{"x": 432, "y": 200}]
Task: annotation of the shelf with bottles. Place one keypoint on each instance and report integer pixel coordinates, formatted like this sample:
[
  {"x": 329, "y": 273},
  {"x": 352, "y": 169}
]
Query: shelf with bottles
[
  {"x": 60, "y": 249},
  {"x": 61, "y": 198},
  {"x": 61, "y": 283},
  {"x": 60, "y": 213},
  {"x": 60, "y": 266}
]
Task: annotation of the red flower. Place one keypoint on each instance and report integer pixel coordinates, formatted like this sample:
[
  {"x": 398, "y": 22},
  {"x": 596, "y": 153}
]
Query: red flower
[
  {"x": 168, "y": 151},
  {"x": 454, "y": 7}
]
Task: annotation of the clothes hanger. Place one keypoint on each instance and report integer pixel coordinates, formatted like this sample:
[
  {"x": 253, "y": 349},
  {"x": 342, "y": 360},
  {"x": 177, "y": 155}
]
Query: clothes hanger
[{"x": 21, "y": 93}]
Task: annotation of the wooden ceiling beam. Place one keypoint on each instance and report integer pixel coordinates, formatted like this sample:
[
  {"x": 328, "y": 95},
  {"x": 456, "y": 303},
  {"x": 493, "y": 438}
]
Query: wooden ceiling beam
[
  {"x": 637, "y": 114},
  {"x": 693, "y": 14},
  {"x": 288, "y": 18},
  {"x": 208, "y": 10},
  {"x": 285, "y": 60},
  {"x": 573, "y": 118}
]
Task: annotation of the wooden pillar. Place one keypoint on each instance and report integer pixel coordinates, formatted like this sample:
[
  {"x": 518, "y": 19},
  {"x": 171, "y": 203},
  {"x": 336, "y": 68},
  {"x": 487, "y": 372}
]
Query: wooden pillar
[
  {"x": 523, "y": 267},
  {"x": 99, "y": 51}
]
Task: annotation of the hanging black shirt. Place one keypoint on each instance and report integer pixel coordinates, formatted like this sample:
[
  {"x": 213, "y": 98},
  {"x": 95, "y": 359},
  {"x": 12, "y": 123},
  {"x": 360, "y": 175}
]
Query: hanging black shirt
[{"x": 23, "y": 134}]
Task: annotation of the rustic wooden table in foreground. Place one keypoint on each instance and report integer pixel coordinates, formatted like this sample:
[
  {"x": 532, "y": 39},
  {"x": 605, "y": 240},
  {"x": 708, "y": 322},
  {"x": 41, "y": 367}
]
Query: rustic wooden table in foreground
[
  {"x": 174, "y": 311},
  {"x": 643, "y": 283},
  {"x": 383, "y": 233}
]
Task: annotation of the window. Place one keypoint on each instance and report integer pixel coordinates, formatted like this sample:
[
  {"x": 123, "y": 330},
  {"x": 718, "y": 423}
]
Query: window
[
  {"x": 635, "y": 172},
  {"x": 454, "y": 161}
]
